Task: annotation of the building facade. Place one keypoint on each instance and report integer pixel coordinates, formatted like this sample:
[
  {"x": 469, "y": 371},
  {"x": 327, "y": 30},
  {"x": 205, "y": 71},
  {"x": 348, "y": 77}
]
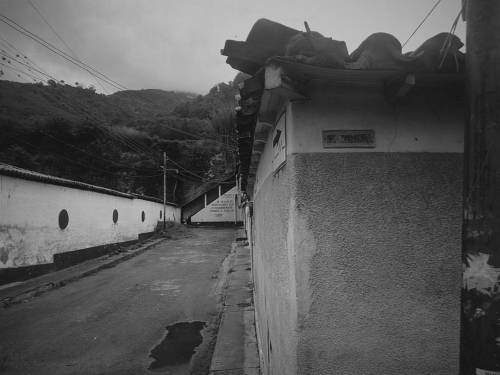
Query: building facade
[
  {"x": 216, "y": 204},
  {"x": 355, "y": 183}
]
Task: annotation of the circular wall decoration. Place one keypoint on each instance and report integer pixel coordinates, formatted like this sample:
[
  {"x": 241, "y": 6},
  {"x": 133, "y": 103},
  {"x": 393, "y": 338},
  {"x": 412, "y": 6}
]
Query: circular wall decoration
[
  {"x": 63, "y": 219},
  {"x": 143, "y": 216},
  {"x": 115, "y": 216}
]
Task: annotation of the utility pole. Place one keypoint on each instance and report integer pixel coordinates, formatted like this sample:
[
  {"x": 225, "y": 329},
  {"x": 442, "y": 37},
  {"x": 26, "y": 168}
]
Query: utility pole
[
  {"x": 165, "y": 170},
  {"x": 164, "y": 190},
  {"x": 481, "y": 245}
]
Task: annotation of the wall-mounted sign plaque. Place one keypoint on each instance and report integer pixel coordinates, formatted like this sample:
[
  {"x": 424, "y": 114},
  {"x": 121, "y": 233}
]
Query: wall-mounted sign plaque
[{"x": 348, "y": 138}]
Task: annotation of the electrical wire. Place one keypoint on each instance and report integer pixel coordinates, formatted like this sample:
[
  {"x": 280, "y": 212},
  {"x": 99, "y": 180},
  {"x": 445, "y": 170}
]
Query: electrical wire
[
  {"x": 448, "y": 41},
  {"x": 26, "y": 65},
  {"x": 185, "y": 169},
  {"x": 135, "y": 146},
  {"x": 88, "y": 68},
  {"x": 196, "y": 136},
  {"x": 86, "y": 153},
  {"x": 71, "y": 161},
  {"x": 73, "y": 54},
  {"x": 16, "y": 50},
  {"x": 30, "y": 69},
  {"x": 21, "y": 71},
  {"x": 75, "y": 162},
  {"x": 422, "y": 22},
  {"x": 103, "y": 77},
  {"x": 114, "y": 162}
]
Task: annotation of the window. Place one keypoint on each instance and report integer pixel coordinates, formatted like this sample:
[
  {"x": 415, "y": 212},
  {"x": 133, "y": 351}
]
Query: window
[{"x": 63, "y": 219}]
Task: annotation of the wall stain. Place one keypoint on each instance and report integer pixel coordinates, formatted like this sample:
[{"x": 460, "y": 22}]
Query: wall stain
[{"x": 4, "y": 255}]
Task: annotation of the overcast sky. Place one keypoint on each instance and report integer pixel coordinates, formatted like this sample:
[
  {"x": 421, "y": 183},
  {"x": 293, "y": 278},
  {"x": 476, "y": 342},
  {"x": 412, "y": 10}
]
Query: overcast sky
[{"x": 175, "y": 45}]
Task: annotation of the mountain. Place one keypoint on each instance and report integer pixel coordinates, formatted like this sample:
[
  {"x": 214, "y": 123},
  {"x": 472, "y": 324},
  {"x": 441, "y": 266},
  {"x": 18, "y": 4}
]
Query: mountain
[
  {"x": 31, "y": 102},
  {"x": 149, "y": 101},
  {"x": 117, "y": 140}
]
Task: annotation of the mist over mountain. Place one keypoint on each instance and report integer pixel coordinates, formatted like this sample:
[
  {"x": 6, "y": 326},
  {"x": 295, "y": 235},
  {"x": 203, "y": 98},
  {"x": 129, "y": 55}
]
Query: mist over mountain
[{"x": 117, "y": 140}]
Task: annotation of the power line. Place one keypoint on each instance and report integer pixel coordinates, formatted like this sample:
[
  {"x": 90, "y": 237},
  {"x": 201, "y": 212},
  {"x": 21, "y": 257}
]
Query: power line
[
  {"x": 14, "y": 25},
  {"x": 16, "y": 50},
  {"x": 75, "y": 162},
  {"x": 130, "y": 143},
  {"x": 92, "y": 156},
  {"x": 50, "y": 26},
  {"x": 447, "y": 43},
  {"x": 86, "y": 153},
  {"x": 421, "y": 23},
  {"x": 28, "y": 66},
  {"x": 21, "y": 71},
  {"x": 86, "y": 67},
  {"x": 187, "y": 170},
  {"x": 195, "y": 136},
  {"x": 60, "y": 38},
  {"x": 71, "y": 161}
]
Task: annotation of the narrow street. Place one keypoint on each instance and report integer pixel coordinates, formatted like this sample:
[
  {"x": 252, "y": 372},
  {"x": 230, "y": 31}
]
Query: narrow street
[{"x": 114, "y": 322}]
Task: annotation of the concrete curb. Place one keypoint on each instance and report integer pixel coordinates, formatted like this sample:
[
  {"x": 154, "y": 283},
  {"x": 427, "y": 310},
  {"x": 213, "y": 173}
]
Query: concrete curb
[
  {"x": 236, "y": 350},
  {"x": 19, "y": 294}
]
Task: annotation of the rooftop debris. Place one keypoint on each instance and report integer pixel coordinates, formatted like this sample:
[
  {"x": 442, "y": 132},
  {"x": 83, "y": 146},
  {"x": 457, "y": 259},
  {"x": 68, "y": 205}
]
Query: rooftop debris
[
  {"x": 282, "y": 61},
  {"x": 378, "y": 51}
]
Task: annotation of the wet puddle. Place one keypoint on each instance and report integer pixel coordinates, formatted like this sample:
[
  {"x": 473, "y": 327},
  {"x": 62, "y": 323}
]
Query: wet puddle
[{"x": 178, "y": 346}]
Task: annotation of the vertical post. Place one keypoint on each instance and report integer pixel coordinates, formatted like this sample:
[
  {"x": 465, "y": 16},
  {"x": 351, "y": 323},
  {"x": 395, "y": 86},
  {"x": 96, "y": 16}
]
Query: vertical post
[
  {"x": 235, "y": 208},
  {"x": 164, "y": 189},
  {"x": 481, "y": 303}
]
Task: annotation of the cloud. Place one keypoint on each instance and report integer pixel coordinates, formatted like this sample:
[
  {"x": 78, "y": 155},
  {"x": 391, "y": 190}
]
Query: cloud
[{"x": 175, "y": 45}]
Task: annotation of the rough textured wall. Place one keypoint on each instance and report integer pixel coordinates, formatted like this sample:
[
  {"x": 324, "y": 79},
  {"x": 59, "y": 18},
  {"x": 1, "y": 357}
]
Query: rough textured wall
[
  {"x": 381, "y": 288},
  {"x": 274, "y": 274},
  {"x": 29, "y": 226}
]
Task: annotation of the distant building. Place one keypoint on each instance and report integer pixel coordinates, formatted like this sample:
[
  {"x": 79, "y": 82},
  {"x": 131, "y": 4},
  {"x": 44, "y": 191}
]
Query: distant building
[
  {"x": 214, "y": 203},
  {"x": 354, "y": 177}
]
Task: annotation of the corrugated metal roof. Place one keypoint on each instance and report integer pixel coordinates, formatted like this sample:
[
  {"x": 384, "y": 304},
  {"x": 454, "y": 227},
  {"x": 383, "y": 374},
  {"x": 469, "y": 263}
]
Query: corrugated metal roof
[{"x": 13, "y": 171}]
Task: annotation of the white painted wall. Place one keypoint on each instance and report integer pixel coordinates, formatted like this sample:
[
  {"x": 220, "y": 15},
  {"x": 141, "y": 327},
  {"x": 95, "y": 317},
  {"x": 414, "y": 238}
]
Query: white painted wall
[
  {"x": 29, "y": 225},
  {"x": 223, "y": 209},
  {"x": 419, "y": 126}
]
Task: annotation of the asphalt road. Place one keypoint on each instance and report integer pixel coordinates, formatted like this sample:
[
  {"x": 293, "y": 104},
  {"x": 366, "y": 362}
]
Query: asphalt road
[{"x": 110, "y": 322}]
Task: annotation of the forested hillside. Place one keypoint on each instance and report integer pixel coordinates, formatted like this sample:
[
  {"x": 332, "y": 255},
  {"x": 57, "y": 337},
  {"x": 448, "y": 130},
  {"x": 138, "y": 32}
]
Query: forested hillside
[{"x": 117, "y": 140}]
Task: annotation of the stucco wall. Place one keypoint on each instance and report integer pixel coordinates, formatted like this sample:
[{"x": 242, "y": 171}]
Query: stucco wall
[
  {"x": 274, "y": 276},
  {"x": 357, "y": 264},
  {"x": 29, "y": 226},
  {"x": 385, "y": 271},
  {"x": 357, "y": 252}
]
